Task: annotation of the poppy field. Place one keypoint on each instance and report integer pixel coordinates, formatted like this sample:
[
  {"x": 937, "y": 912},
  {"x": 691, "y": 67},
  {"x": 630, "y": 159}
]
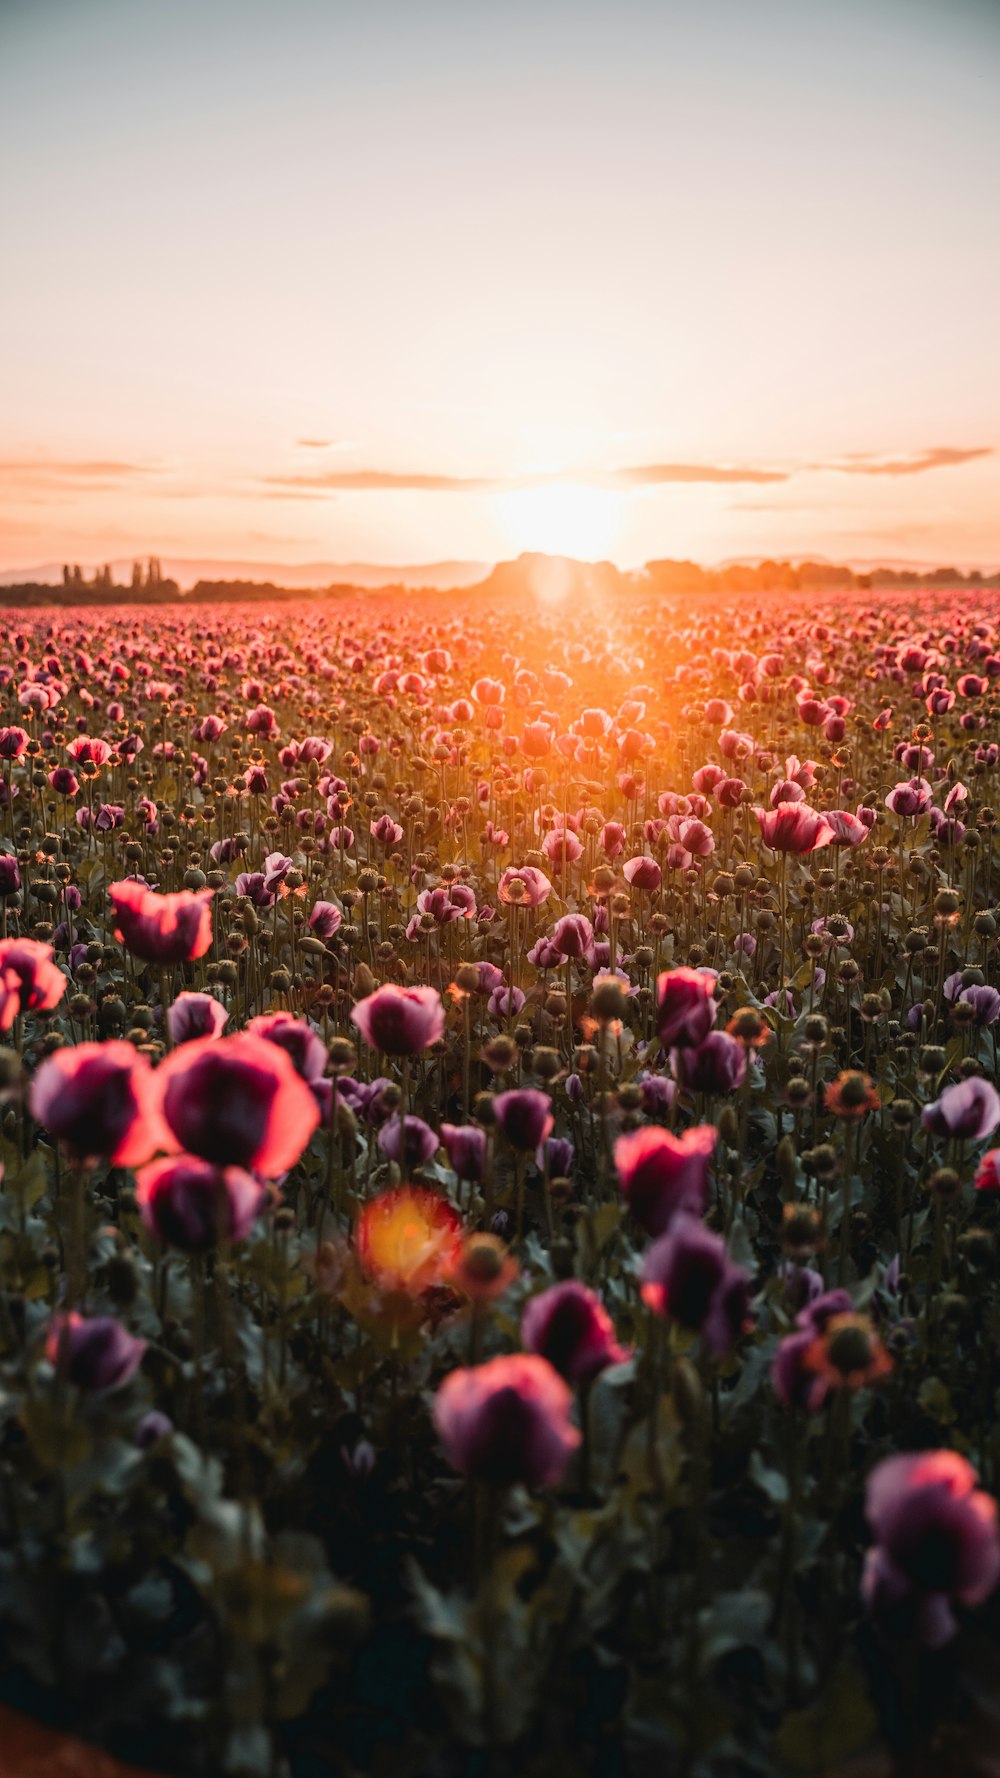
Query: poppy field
[{"x": 498, "y": 1228}]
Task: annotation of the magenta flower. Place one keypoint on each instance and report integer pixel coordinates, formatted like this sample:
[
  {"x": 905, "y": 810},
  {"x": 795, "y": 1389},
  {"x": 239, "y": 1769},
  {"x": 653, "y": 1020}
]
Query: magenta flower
[
  {"x": 642, "y": 873},
  {"x": 911, "y": 798},
  {"x": 304, "y": 1047},
  {"x": 400, "y": 1021},
  {"x": 570, "y": 1326},
  {"x": 970, "y": 1109},
  {"x": 685, "y": 1006},
  {"x": 162, "y": 928},
  {"x": 524, "y": 887},
  {"x": 716, "y": 1065},
  {"x": 191, "y": 1204},
  {"x": 936, "y": 1544},
  {"x": 465, "y": 1146},
  {"x": 689, "y": 1278},
  {"x": 325, "y": 919},
  {"x": 408, "y": 1141},
  {"x": 662, "y": 1174},
  {"x": 100, "y": 1100},
  {"x": 572, "y": 936},
  {"x": 195, "y": 1015},
  {"x": 238, "y": 1102},
  {"x": 794, "y": 827},
  {"x": 507, "y": 1421},
  {"x": 94, "y": 1354},
  {"x": 795, "y": 1381},
  {"x": 447, "y": 903},
  {"x": 848, "y": 829},
  {"x": 32, "y": 981},
  {"x": 524, "y": 1116}
]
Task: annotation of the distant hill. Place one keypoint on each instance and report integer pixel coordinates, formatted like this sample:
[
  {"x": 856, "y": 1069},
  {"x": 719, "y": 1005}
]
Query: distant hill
[{"x": 187, "y": 571}]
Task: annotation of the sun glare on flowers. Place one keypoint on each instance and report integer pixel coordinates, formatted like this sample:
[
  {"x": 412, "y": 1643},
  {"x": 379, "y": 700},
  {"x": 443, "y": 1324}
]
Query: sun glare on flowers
[{"x": 409, "y": 1239}]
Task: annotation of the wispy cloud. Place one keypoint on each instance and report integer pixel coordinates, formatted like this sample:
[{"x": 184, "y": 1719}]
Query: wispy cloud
[
  {"x": 428, "y": 482},
  {"x": 628, "y": 476},
  {"x": 935, "y": 457},
  {"x": 22, "y": 476},
  {"x": 651, "y": 475}
]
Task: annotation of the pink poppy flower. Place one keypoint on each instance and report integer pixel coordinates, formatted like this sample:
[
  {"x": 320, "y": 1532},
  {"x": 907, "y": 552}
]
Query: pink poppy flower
[
  {"x": 936, "y": 1543},
  {"x": 662, "y": 1174},
  {"x": 191, "y": 1204},
  {"x": 507, "y": 1421},
  {"x": 794, "y": 827},
  {"x": 400, "y": 1021},
  {"x": 162, "y": 928},
  {"x": 100, "y": 1100},
  {"x": 238, "y": 1101},
  {"x": 570, "y": 1326}
]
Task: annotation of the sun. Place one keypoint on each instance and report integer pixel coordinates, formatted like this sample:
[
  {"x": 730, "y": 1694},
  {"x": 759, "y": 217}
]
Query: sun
[{"x": 562, "y": 519}]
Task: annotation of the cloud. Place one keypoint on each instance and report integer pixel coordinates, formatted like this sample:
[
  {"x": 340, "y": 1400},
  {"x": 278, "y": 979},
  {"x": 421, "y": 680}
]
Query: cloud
[
  {"x": 424, "y": 482},
  {"x": 935, "y": 457},
  {"x": 651, "y": 475},
  {"x": 27, "y": 475}
]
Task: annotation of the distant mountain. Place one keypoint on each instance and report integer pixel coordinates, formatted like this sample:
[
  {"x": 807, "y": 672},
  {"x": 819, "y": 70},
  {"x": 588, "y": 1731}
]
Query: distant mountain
[{"x": 187, "y": 570}]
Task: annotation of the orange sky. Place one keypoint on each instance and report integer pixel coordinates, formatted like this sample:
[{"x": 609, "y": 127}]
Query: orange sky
[{"x": 404, "y": 282}]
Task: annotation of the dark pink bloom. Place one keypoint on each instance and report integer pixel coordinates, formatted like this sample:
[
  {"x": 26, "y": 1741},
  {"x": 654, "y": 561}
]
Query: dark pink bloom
[
  {"x": 570, "y": 1326},
  {"x": 100, "y": 1099},
  {"x": 572, "y": 936},
  {"x": 524, "y": 1116},
  {"x": 447, "y": 903},
  {"x": 409, "y": 1141},
  {"x": 93, "y": 1354},
  {"x": 795, "y": 1381},
  {"x": 386, "y": 831},
  {"x": 32, "y": 981},
  {"x": 561, "y": 847},
  {"x": 848, "y": 829},
  {"x": 794, "y": 827},
  {"x": 465, "y": 1146},
  {"x": 507, "y": 1421},
  {"x": 524, "y": 887},
  {"x": 970, "y": 1109},
  {"x": 87, "y": 751},
  {"x": 642, "y": 873},
  {"x": 911, "y": 798},
  {"x": 64, "y": 781},
  {"x": 325, "y": 919},
  {"x": 13, "y": 742},
  {"x": 685, "y": 1006},
  {"x": 662, "y": 1174},
  {"x": 716, "y": 1065},
  {"x": 689, "y": 1278},
  {"x": 195, "y": 1015},
  {"x": 191, "y": 1204},
  {"x": 304, "y": 1047},
  {"x": 162, "y": 928},
  {"x": 400, "y": 1021},
  {"x": 936, "y": 1543},
  {"x": 237, "y": 1101}
]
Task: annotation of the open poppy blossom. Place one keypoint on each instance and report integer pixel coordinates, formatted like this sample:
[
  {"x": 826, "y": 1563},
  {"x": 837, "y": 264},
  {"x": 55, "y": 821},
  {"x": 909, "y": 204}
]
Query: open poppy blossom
[
  {"x": 101, "y": 1099},
  {"x": 162, "y": 928},
  {"x": 238, "y": 1102}
]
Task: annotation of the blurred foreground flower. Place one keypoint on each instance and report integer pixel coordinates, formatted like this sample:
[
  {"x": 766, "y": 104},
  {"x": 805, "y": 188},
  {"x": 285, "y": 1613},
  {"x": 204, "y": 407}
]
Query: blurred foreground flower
[{"x": 507, "y": 1421}]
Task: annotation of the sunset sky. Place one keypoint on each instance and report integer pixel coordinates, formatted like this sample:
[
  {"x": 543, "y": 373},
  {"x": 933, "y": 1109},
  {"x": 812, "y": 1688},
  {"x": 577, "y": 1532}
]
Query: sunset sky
[{"x": 318, "y": 281}]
